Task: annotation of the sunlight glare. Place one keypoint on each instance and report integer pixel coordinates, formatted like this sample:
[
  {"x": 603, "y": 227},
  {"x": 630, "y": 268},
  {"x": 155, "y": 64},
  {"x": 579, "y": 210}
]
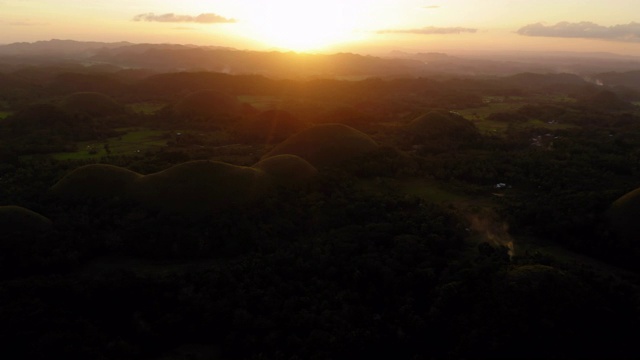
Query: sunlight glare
[{"x": 304, "y": 26}]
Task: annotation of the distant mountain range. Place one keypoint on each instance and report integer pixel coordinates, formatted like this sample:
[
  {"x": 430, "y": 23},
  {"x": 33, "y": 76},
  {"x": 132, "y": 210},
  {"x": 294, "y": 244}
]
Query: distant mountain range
[{"x": 174, "y": 57}]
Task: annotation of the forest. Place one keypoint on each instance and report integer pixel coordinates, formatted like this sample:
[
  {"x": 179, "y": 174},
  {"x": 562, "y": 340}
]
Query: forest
[{"x": 195, "y": 214}]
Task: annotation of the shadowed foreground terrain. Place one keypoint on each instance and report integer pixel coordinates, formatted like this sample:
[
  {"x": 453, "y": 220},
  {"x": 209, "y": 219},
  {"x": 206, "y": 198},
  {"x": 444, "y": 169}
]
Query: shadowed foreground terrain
[{"x": 202, "y": 215}]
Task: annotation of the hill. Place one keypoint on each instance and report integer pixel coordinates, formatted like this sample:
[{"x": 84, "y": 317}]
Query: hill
[
  {"x": 624, "y": 217},
  {"x": 96, "y": 181},
  {"x": 92, "y": 104},
  {"x": 205, "y": 104},
  {"x": 194, "y": 187},
  {"x": 326, "y": 144},
  {"x": 16, "y": 219},
  {"x": 605, "y": 100},
  {"x": 439, "y": 126},
  {"x": 629, "y": 79},
  {"x": 287, "y": 169},
  {"x": 199, "y": 187}
]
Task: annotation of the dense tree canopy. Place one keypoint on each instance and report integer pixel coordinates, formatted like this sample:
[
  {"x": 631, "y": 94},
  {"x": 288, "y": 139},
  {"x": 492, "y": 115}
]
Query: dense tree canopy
[{"x": 215, "y": 223}]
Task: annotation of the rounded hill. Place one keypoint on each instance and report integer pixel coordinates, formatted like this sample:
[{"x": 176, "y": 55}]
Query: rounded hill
[
  {"x": 533, "y": 275},
  {"x": 326, "y": 144},
  {"x": 199, "y": 186},
  {"x": 206, "y": 104},
  {"x": 439, "y": 124},
  {"x": 18, "y": 219},
  {"x": 624, "y": 218},
  {"x": 191, "y": 188},
  {"x": 92, "y": 104},
  {"x": 95, "y": 181},
  {"x": 287, "y": 169}
]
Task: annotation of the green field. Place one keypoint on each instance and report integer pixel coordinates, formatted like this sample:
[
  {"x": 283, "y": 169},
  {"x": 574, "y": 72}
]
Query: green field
[
  {"x": 148, "y": 107},
  {"x": 479, "y": 117},
  {"x": 499, "y": 127},
  {"x": 488, "y": 126},
  {"x": 133, "y": 142},
  {"x": 546, "y": 125},
  {"x": 260, "y": 102},
  {"x": 480, "y": 113}
]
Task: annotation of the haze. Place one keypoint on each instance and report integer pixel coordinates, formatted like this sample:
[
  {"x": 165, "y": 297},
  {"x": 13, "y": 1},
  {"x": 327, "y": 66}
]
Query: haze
[{"x": 330, "y": 26}]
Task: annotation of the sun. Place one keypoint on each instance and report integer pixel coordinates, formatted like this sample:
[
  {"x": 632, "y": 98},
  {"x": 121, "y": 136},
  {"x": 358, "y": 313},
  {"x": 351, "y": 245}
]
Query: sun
[{"x": 303, "y": 26}]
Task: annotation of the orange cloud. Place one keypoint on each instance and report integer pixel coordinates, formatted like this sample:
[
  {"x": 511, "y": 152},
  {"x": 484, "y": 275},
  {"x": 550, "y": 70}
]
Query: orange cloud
[
  {"x": 208, "y": 18},
  {"x": 585, "y": 29},
  {"x": 430, "y": 30}
]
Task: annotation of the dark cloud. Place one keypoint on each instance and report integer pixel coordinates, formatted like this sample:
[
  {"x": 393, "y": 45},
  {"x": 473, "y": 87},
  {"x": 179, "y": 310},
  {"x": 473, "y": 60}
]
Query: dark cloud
[
  {"x": 585, "y": 29},
  {"x": 176, "y": 18},
  {"x": 430, "y": 30}
]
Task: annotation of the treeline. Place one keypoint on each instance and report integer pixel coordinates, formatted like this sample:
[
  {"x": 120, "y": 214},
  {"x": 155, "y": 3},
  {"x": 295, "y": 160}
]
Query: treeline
[{"x": 130, "y": 85}]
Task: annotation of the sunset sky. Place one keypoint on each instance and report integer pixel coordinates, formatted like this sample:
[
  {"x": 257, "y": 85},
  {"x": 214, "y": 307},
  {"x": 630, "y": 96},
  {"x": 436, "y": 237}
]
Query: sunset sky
[{"x": 335, "y": 25}]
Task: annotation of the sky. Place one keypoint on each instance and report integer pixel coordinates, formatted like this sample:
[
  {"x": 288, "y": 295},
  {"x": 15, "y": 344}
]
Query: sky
[{"x": 364, "y": 26}]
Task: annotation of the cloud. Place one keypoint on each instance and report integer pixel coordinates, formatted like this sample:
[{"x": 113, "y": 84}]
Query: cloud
[
  {"x": 431, "y": 7},
  {"x": 27, "y": 23},
  {"x": 585, "y": 29},
  {"x": 430, "y": 30},
  {"x": 208, "y": 18}
]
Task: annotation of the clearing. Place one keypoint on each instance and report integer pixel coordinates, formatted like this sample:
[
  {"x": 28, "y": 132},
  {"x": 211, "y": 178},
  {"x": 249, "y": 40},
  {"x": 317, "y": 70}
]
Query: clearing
[
  {"x": 133, "y": 142},
  {"x": 4, "y": 114},
  {"x": 147, "y": 107}
]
